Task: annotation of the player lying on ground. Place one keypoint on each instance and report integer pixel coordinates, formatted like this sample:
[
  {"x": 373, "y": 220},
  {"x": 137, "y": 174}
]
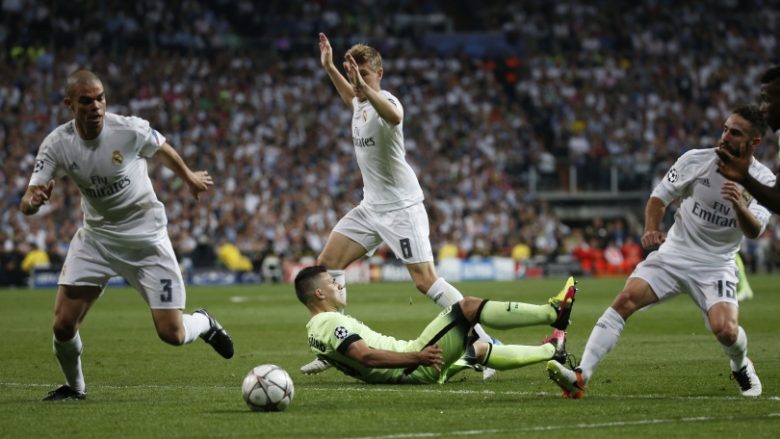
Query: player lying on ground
[{"x": 363, "y": 353}]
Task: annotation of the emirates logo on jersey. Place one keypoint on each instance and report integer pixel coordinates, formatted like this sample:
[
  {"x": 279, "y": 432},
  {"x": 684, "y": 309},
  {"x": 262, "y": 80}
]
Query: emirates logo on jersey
[{"x": 116, "y": 158}]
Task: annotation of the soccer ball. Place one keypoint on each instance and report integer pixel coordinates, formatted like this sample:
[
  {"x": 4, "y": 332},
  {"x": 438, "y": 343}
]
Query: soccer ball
[{"x": 268, "y": 388}]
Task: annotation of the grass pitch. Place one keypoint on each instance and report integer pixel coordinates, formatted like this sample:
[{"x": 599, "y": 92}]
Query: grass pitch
[{"x": 666, "y": 378}]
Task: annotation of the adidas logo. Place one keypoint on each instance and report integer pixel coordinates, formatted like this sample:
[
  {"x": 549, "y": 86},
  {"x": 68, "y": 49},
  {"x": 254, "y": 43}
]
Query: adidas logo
[{"x": 74, "y": 166}]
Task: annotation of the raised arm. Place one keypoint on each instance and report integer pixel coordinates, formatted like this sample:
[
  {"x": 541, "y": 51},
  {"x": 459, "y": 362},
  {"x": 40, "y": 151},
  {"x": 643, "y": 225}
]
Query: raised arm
[
  {"x": 198, "y": 181},
  {"x": 654, "y": 215},
  {"x": 379, "y": 358},
  {"x": 343, "y": 87},
  {"x": 749, "y": 224},
  {"x": 384, "y": 108}
]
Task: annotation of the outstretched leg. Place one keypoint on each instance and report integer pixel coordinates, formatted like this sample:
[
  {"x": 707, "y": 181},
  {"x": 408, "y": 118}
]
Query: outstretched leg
[{"x": 604, "y": 336}]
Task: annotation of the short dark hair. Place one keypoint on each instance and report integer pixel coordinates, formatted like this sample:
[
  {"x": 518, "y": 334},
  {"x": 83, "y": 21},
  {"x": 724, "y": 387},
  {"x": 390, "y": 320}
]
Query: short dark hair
[
  {"x": 304, "y": 281},
  {"x": 80, "y": 77},
  {"x": 752, "y": 114},
  {"x": 771, "y": 75}
]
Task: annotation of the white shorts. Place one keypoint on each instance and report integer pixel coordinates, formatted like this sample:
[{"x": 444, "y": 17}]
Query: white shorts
[
  {"x": 152, "y": 271},
  {"x": 707, "y": 284},
  {"x": 405, "y": 231}
]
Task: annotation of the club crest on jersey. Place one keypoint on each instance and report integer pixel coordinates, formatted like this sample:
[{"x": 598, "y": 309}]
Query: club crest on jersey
[
  {"x": 672, "y": 176},
  {"x": 116, "y": 158},
  {"x": 341, "y": 333}
]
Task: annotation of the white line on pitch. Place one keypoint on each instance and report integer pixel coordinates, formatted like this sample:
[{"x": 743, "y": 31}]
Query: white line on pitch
[{"x": 411, "y": 389}]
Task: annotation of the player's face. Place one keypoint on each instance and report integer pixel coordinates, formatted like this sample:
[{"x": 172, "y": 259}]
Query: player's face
[
  {"x": 371, "y": 77},
  {"x": 88, "y": 104},
  {"x": 334, "y": 291},
  {"x": 736, "y": 132},
  {"x": 770, "y": 104}
]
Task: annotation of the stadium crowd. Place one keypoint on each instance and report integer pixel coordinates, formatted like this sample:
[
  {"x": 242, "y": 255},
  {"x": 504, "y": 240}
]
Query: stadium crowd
[{"x": 538, "y": 88}]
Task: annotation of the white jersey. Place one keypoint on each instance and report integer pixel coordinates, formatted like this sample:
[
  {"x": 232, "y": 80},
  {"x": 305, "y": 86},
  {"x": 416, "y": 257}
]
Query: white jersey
[
  {"x": 389, "y": 183},
  {"x": 117, "y": 196},
  {"x": 705, "y": 226}
]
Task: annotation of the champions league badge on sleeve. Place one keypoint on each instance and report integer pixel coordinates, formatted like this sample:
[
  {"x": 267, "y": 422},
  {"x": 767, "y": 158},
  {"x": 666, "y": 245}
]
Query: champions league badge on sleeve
[
  {"x": 672, "y": 175},
  {"x": 341, "y": 333}
]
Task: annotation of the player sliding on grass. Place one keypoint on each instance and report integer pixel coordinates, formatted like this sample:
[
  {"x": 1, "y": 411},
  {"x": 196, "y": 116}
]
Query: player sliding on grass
[
  {"x": 392, "y": 210},
  {"x": 363, "y": 353},
  {"x": 124, "y": 230},
  {"x": 696, "y": 257}
]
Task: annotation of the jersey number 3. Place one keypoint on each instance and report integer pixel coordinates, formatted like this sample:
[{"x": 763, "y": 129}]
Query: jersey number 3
[{"x": 167, "y": 294}]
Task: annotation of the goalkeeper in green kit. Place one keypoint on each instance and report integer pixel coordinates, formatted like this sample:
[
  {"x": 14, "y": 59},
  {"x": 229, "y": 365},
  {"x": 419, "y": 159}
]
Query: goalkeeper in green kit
[{"x": 444, "y": 347}]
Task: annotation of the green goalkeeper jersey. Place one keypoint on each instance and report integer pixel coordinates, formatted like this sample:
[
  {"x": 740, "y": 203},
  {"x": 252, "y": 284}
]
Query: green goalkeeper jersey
[{"x": 331, "y": 333}]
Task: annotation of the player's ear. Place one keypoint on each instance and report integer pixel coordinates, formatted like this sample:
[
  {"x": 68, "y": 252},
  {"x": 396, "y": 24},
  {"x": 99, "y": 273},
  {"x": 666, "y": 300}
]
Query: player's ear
[
  {"x": 318, "y": 293},
  {"x": 754, "y": 142}
]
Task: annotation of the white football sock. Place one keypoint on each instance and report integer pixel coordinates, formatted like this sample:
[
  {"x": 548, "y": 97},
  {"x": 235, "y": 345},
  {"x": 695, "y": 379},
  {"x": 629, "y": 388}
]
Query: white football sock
[
  {"x": 602, "y": 339},
  {"x": 68, "y": 354},
  {"x": 341, "y": 279},
  {"x": 738, "y": 351},
  {"x": 444, "y": 295},
  {"x": 194, "y": 326}
]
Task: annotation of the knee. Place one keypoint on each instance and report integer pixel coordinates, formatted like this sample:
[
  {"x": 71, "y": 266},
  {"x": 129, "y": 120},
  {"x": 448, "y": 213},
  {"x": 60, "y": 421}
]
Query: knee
[
  {"x": 470, "y": 307},
  {"x": 424, "y": 277},
  {"x": 64, "y": 331},
  {"x": 423, "y": 283},
  {"x": 171, "y": 335},
  {"x": 726, "y": 333},
  {"x": 480, "y": 351}
]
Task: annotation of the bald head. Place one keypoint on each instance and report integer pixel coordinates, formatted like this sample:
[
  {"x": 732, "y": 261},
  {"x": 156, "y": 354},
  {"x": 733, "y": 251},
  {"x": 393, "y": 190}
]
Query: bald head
[
  {"x": 80, "y": 78},
  {"x": 86, "y": 99}
]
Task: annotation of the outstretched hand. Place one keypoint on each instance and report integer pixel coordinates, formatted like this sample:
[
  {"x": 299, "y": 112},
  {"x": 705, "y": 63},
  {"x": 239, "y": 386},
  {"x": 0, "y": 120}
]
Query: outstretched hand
[
  {"x": 734, "y": 166},
  {"x": 199, "y": 181},
  {"x": 326, "y": 52}
]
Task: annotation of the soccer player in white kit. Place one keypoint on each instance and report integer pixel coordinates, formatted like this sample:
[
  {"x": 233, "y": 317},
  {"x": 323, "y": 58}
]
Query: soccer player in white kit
[
  {"x": 392, "y": 209},
  {"x": 124, "y": 231},
  {"x": 696, "y": 257}
]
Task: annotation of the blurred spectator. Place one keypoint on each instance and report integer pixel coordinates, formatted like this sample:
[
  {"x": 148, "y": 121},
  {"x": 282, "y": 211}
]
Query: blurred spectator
[
  {"x": 231, "y": 258},
  {"x": 237, "y": 89},
  {"x": 34, "y": 258}
]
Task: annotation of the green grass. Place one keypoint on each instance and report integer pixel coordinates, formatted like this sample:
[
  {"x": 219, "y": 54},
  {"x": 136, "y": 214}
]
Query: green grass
[{"x": 667, "y": 376}]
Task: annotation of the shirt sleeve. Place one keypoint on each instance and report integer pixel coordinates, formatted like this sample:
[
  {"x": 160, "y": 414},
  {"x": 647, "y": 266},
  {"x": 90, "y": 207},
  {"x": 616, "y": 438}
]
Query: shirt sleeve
[
  {"x": 46, "y": 164},
  {"x": 342, "y": 332},
  {"x": 396, "y": 103},
  {"x": 680, "y": 177},
  {"x": 149, "y": 139}
]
